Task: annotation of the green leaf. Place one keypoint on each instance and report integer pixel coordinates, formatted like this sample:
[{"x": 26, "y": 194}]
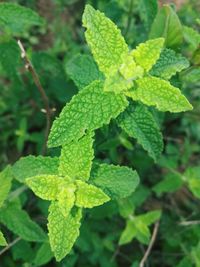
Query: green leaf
[
  {"x": 167, "y": 24},
  {"x": 83, "y": 70},
  {"x": 9, "y": 56},
  {"x": 146, "y": 54},
  {"x": 76, "y": 158},
  {"x": 150, "y": 217},
  {"x": 171, "y": 183},
  {"x": 43, "y": 255},
  {"x": 191, "y": 36},
  {"x": 45, "y": 186},
  {"x": 2, "y": 240},
  {"x": 192, "y": 177},
  {"x": 18, "y": 18},
  {"x": 139, "y": 123},
  {"x": 5, "y": 183},
  {"x": 31, "y": 166},
  {"x": 105, "y": 40},
  {"x": 148, "y": 10},
  {"x": 115, "y": 181},
  {"x": 63, "y": 232},
  {"x": 19, "y": 222},
  {"x": 89, "y": 110},
  {"x": 66, "y": 199},
  {"x": 89, "y": 196},
  {"x": 153, "y": 91},
  {"x": 128, "y": 233},
  {"x": 169, "y": 64}
]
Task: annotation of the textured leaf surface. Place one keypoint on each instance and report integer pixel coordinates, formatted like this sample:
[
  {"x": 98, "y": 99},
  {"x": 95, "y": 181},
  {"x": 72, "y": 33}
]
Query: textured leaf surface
[
  {"x": 25, "y": 17},
  {"x": 45, "y": 186},
  {"x": 116, "y": 83},
  {"x": 5, "y": 183},
  {"x": 129, "y": 69},
  {"x": 167, "y": 24},
  {"x": 89, "y": 110},
  {"x": 153, "y": 91},
  {"x": 31, "y": 166},
  {"x": 19, "y": 222},
  {"x": 89, "y": 196},
  {"x": 169, "y": 64},
  {"x": 146, "y": 54},
  {"x": 63, "y": 232},
  {"x": 83, "y": 70},
  {"x": 76, "y": 158},
  {"x": 191, "y": 36},
  {"x": 2, "y": 240},
  {"x": 66, "y": 199},
  {"x": 139, "y": 123},
  {"x": 105, "y": 40},
  {"x": 116, "y": 181}
]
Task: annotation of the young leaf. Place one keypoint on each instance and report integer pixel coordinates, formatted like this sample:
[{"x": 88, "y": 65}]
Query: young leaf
[
  {"x": 89, "y": 110},
  {"x": 105, "y": 40},
  {"x": 117, "y": 84},
  {"x": 63, "y": 232},
  {"x": 5, "y": 183},
  {"x": 89, "y": 196},
  {"x": 2, "y": 240},
  {"x": 32, "y": 166},
  {"x": 115, "y": 181},
  {"x": 167, "y": 24},
  {"x": 139, "y": 123},
  {"x": 146, "y": 54},
  {"x": 83, "y": 70},
  {"x": 19, "y": 222},
  {"x": 45, "y": 186},
  {"x": 66, "y": 199},
  {"x": 76, "y": 158},
  {"x": 17, "y": 17},
  {"x": 169, "y": 64},
  {"x": 129, "y": 70},
  {"x": 153, "y": 91},
  {"x": 192, "y": 177}
]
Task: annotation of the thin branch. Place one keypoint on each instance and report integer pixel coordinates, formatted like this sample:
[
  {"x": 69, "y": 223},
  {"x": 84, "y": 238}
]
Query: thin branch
[
  {"x": 188, "y": 223},
  {"x": 148, "y": 251},
  {"x": 48, "y": 112},
  {"x": 10, "y": 245}
]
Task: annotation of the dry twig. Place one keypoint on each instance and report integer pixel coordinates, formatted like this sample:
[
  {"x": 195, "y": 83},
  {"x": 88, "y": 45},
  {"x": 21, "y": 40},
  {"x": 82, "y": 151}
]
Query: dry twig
[
  {"x": 30, "y": 68},
  {"x": 148, "y": 251}
]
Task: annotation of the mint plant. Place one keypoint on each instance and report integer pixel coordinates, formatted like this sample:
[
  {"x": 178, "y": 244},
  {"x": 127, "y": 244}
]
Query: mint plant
[{"x": 120, "y": 85}]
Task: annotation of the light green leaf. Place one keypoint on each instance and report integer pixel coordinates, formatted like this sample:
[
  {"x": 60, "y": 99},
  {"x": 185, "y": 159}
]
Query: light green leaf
[
  {"x": 76, "y": 158},
  {"x": 89, "y": 196},
  {"x": 146, "y": 54},
  {"x": 105, "y": 40},
  {"x": 115, "y": 181},
  {"x": 66, "y": 199},
  {"x": 129, "y": 70},
  {"x": 128, "y": 233},
  {"x": 192, "y": 177},
  {"x": 43, "y": 255},
  {"x": 153, "y": 91},
  {"x": 89, "y": 110},
  {"x": 83, "y": 70},
  {"x": 63, "y": 232},
  {"x": 191, "y": 36},
  {"x": 139, "y": 123},
  {"x": 25, "y": 17},
  {"x": 2, "y": 240},
  {"x": 5, "y": 183},
  {"x": 45, "y": 186},
  {"x": 19, "y": 222},
  {"x": 169, "y": 64},
  {"x": 150, "y": 217},
  {"x": 117, "y": 83},
  {"x": 30, "y": 166},
  {"x": 167, "y": 24}
]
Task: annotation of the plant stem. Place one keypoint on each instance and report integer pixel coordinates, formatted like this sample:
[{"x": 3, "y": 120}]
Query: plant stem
[
  {"x": 10, "y": 245},
  {"x": 148, "y": 251},
  {"x": 31, "y": 69}
]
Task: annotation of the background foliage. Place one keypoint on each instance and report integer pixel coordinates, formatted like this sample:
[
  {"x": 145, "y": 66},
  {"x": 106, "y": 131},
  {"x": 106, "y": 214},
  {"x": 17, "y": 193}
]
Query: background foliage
[{"x": 117, "y": 233}]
